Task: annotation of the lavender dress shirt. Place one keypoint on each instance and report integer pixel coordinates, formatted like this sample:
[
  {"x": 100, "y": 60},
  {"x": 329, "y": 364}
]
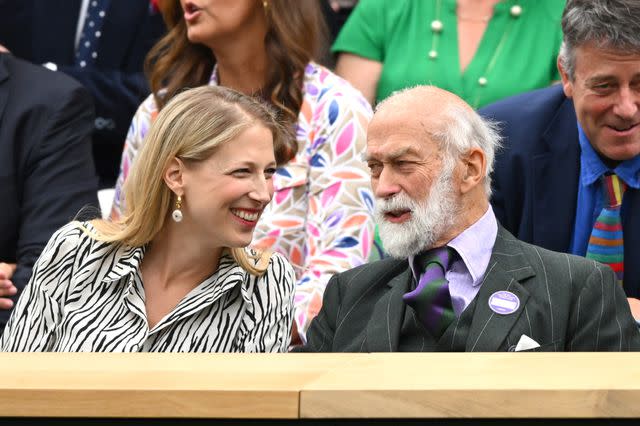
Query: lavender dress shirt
[{"x": 474, "y": 246}]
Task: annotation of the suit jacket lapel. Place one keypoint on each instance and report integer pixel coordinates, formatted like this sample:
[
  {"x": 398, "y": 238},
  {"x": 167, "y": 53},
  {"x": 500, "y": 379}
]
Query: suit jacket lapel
[
  {"x": 383, "y": 330},
  {"x": 507, "y": 268},
  {"x": 556, "y": 174}
]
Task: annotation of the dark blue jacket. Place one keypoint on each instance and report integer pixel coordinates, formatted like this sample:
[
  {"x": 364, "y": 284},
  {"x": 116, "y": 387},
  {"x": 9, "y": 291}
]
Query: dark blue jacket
[
  {"x": 44, "y": 31},
  {"x": 46, "y": 172},
  {"x": 535, "y": 181}
]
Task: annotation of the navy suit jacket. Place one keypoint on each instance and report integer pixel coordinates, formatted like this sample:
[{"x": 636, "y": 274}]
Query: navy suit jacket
[
  {"x": 535, "y": 181},
  {"x": 46, "y": 172},
  {"x": 44, "y": 31}
]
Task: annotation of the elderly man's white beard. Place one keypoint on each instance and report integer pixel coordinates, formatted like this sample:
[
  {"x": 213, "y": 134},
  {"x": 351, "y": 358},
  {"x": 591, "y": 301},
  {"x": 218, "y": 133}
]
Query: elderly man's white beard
[{"x": 429, "y": 219}]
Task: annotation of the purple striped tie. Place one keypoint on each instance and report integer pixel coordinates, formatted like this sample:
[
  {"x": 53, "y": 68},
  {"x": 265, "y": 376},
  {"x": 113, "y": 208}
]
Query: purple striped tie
[{"x": 431, "y": 299}]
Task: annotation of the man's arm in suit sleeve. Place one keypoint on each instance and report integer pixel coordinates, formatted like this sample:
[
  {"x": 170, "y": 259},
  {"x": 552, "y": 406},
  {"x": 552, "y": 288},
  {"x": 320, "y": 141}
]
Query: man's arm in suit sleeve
[
  {"x": 58, "y": 175},
  {"x": 601, "y": 319},
  {"x": 322, "y": 330}
]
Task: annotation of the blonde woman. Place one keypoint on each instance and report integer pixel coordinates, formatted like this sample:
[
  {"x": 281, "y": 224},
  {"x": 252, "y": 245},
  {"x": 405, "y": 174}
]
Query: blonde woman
[
  {"x": 172, "y": 274},
  {"x": 321, "y": 215}
]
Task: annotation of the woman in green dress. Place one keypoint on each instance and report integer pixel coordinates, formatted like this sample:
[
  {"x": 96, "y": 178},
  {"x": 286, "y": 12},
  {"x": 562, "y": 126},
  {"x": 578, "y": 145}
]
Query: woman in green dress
[{"x": 482, "y": 50}]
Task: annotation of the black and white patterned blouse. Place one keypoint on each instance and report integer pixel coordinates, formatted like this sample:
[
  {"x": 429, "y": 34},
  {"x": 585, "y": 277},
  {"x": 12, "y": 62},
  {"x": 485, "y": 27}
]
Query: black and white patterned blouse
[{"x": 86, "y": 295}]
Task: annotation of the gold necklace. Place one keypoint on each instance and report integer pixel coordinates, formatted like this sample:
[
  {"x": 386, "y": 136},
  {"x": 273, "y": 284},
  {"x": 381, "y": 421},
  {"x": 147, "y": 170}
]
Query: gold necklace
[{"x": 437, "y": 27}]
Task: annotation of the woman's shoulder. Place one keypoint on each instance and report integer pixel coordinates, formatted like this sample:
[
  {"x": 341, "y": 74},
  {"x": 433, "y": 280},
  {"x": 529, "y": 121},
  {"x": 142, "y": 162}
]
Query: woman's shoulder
[
  {"x": 69, "y": 237},
  {"x": 65, "y": 245},
  {"x": 140, "y": 123},
  {"x": 77, "y": 235},
  {"x": 322, "y": 85},
  {"x": 146, "y": 111},
  {"x": 75, "y": 250},
  {"x": 149, "y": 104}
]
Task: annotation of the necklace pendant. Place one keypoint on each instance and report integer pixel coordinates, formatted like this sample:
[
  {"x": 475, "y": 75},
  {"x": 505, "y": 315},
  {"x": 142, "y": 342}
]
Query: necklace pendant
[
  {"x": 515, "y": 11},
  {"x": 436, "y": 26},
  {"x": 433, "y": 54}
]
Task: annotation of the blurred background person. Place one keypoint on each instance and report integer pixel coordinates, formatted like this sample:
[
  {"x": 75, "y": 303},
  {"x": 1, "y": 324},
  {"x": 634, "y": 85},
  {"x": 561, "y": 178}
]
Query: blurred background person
[
  {"x": 569, "y": 176},
  {"x": 320, "y": 218},
  {"x": 481, "y": 50},
  {"x": 336, "y": 13},
  {"x": 100, "y": 43},
  {"x": 46, "y": 172},
  {"x": 173, "y": 274}
]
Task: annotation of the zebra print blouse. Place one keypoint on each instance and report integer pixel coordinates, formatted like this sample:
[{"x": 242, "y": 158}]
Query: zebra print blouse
[{"x": 86, "y": 295}]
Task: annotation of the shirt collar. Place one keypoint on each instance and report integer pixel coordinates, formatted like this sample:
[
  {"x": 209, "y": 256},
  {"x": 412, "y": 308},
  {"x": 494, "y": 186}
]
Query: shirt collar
[
  {"x": 592, "y": 167},
  {"x": 475, "y": 245},
  {"x": 471, "y": 245}
]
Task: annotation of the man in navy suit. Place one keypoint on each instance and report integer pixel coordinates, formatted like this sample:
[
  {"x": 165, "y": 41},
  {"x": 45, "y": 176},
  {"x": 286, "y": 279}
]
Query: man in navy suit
[
  {"x": 561, "y": 141},
  {"x": 50, "y": 32},
  {"x": 46, "y": 172}
]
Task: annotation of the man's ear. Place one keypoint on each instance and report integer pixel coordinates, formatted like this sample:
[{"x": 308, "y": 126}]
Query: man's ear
[
  {"x": 567, "y": 84},
  {"x": 474, "y": 164},
  {"x": 174, "y": 176}
]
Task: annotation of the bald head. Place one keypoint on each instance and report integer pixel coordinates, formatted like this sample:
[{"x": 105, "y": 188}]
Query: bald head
[
  {"x": 422, "y": 101},
  {"x": 434, "y": 115}
]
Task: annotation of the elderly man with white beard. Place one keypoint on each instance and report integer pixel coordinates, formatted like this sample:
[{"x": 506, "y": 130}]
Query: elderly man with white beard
[{"x": 457, "y": 280}]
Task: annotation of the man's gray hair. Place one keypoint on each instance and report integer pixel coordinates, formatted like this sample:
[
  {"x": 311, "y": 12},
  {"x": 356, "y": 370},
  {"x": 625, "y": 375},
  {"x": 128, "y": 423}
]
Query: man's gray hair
[
  {"x": 463, "y": 129},
  {"x": 608, "y": 24}
]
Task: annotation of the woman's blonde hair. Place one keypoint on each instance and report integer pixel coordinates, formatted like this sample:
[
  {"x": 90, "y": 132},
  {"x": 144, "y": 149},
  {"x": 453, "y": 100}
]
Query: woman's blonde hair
[{"x": 190, "y": 127}]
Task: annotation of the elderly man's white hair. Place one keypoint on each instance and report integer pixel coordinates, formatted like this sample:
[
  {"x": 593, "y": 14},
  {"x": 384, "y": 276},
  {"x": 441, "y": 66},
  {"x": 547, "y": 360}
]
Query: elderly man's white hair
[{"x": 461, "y": 128}]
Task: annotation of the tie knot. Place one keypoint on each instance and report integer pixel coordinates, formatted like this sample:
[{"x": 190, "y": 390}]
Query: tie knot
[
  {"x": 439, "y": 258},
  {"x": 614, "y": 188}
]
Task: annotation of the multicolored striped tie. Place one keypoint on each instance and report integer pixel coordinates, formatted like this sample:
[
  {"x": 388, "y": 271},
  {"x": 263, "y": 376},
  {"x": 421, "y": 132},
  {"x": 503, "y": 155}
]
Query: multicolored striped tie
[
  {"x": 431, "y": 299},
  {"x": 606, "y": 244}
]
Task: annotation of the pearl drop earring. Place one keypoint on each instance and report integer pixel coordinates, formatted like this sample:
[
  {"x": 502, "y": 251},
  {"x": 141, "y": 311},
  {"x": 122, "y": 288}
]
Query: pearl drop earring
[{"x": 177, "y": 213}]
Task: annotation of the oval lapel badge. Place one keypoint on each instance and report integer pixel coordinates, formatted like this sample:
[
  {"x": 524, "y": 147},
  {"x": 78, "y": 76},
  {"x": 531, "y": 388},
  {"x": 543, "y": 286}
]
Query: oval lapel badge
[{"x": 504, "y": 302}]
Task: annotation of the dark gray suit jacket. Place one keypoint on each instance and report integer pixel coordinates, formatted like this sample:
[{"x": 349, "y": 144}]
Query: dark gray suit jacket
[{"x": 567, "y": 303}]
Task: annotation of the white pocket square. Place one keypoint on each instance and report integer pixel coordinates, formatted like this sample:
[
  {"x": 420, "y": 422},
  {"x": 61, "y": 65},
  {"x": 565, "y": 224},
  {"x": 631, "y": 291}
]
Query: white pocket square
[{"x": 526, "y": 343}]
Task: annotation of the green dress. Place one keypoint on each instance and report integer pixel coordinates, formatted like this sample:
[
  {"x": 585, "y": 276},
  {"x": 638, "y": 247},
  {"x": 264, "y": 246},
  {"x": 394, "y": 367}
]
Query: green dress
[{"x": 516, "y": 54}]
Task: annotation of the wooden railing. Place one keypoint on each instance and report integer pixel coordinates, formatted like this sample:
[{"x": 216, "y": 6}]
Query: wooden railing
[{"x": 290, "y": 386}]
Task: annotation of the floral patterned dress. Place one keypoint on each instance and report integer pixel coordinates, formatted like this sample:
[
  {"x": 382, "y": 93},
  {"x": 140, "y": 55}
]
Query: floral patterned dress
[{"x": 320, "y": 217}]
